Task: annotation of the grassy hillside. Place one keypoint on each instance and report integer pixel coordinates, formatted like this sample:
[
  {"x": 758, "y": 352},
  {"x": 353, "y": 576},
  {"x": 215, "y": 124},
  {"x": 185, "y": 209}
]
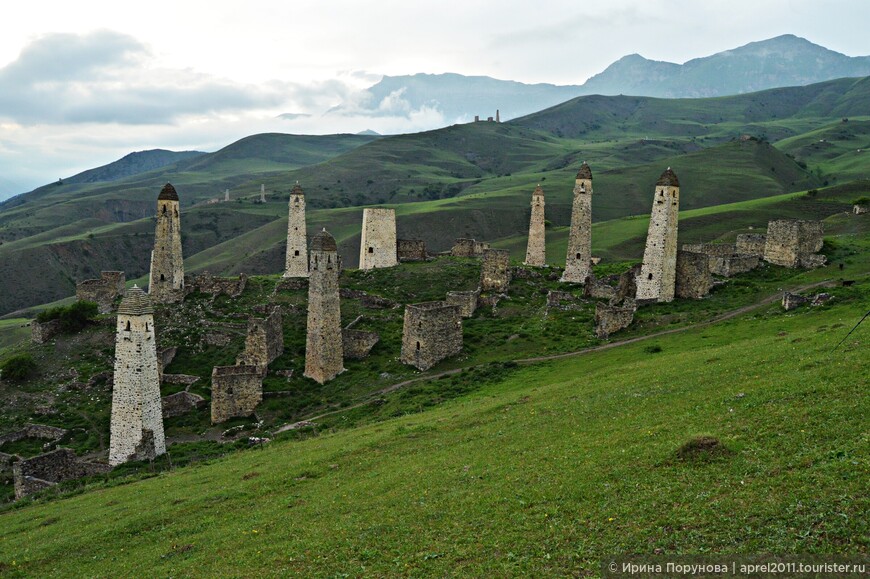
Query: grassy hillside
[{"x": 542, "y": 471}]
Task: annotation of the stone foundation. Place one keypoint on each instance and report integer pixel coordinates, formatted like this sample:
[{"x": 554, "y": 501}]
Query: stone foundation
[
  {"x": 750, "y": 244},
  {"x": 794, "y": 243},
  {"x": 411, "y": 250},
  {"x": 432, "y": 331},
  {"x": 733, "y": 265},
  {"x": 598, "y": 289}
]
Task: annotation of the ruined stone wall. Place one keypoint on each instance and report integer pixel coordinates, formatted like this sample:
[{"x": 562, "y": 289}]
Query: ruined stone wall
[
  {"x": 166, "y": 282},
  {"x": 611, "y": 319},
  {"x": 658, "y": 273},
  {"x": 693, "y": 279},
  {"x": 432, "y": 331},
  {"x": 711, "y": 249},
  {"x": 265, "y": 340},
  {"x": 598, "y": 288},
  {"x": 751, "y": 244},
  {"x": 378, "y": 243},
  {"x": 358, "y": 343},
  {"x": 464, "y": 247},
  {"x": 103, "y": 291},
  {"x": 536, "y": 248},
  {"x": 733, "y": 265},
  {"x": 34, "y": 474},
  {"x": 860, "y": 209},
  {"x": 41, "y": 431},
  {"x": 235, "y": 391},
  {"x": 137, "y": 413},
  {"x": 466, "y": 301},
  {"x": 40, "y": 333},
  {"x": 296, "y": 259},
  {"x": 209, "y": 284},
  {"x": 411, "y": 250},
  {"x": 495, "y": 272},
  {"x": 324, "y": 350},
  {"x": 578, "y": 261},
  {"x": 794, "y": 243},
  {"x": 181, "y": 403}
]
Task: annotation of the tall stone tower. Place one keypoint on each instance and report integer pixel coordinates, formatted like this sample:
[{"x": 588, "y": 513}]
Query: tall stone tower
[
  {"x": 378, "y": 244},
  {"x": 536, "y": 250},
  {"x": 262, "y": 193},
  {"x": 296, "y": 263},
  {"x": 658, "y": 272},
  {"x": 324, "y": 351},
  {"x": 166, "y": 284},
  {"x": 137, "y": 412},
  {"x": 578, "y": 262}
]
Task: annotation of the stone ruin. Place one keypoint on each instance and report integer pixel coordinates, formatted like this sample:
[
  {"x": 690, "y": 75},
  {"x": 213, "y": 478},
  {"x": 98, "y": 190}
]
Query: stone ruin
[
  {"x": 358, "y": 344},
  {"x": 378, "y": 244},
  {"x": 431, "y": 332},
  {"x": 557, "y": 299},
  {"x": 536, "y": 248},
  {"x": 658, "y": 273},
  {"x": 693, "y": 279},
  {"x": 610, "y": 319},
  {"x": 465, "y": 300},
  {"x": 792, "y": 301},
  {"x": 861, "y": 208},
  {"x": 103, "y": 291},
  {"x": 750, "y": 244},
  {"x": 794, "y": 243},
  {"x": 208, "y": 284},
  {"x": 411, "y": 250},
  {"x": 619, "y": 311},
  {"x": 41, "y": 431},
  {"x": 495, "y": 272},
  {"x": 46, "y": 470},
  {"x": 43, "y": 332},
  {"x": 464, "y": 247},
  {"x": 235, "y": 391},
  {"x": 181, "y": 403},
  {"x": 265, "y": 340},
  {"x": 725, "y": 259}
]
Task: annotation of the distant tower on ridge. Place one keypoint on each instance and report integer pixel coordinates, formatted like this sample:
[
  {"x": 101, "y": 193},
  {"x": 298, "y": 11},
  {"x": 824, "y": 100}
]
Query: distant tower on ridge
[
  {"x": 296, "y": 262},
  {"x": 578, "y": 261},
  {"x": 166, "y": 284},
  {"x": 324, "y": 351},
  {"x": 137, "y": 412},
  {"x": 262, "y": 193},
  {"x": 497, "y": 116},
  {"x": 658, "y": 272},
  {"x": 536, "y": 249},
  {"x": 226, "y": 196}
]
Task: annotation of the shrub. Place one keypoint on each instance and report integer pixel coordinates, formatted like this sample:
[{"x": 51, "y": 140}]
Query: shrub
[
  {"x": 72, "y": 318},
  {"x": 862, "y": 201},
  {"x": 18, "y": 367}
]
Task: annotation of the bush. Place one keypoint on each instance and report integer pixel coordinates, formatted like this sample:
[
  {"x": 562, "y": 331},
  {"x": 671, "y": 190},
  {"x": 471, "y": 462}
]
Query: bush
[
  {"x": 862, "y": 201},
  {"x": 17, "y": 367},
  {"x": 72, "y": 318}
]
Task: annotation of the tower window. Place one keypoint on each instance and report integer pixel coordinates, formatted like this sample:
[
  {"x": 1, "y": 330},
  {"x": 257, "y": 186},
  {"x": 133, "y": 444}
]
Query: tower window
[
  {"x": 162, "y": 277},
  {"x": 418, "y": 346},
  {"x": 371, "y": 250},
  {"x": 578, "y": 256},
  {"x": 164, "y": 210},
  {"x": 128, "y": 325},
  {"x": 649, "y": 276},
  {"x": 296, "y": 253}
]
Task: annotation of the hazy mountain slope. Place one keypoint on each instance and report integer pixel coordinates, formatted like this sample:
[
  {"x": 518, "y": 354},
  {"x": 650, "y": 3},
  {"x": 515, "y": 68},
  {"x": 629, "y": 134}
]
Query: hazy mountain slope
[{"x": 132, "y": 164}]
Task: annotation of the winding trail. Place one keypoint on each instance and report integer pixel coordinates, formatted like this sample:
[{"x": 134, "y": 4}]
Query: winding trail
[{"x": 715, "y": 320}]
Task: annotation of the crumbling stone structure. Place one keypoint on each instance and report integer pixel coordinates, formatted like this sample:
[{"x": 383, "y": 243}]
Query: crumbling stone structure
[
  {"x": 495, "y": 272},
  {"x": 209, "y": 284},
  {"x": 432, "y": 331},
  {"x": 43, "y": 332},
  {"x": 466, "y": 301},
  {"x": 265, "y": 340},
  {"x": 794, "y": 243},
  {"x": 693, "y": 279},
  {"x": 296, "y": 260},
  {"x": 792, "y": 301},
  {"x": 732, "y": 265},
  {"x": 861, "y": 209},
  {"x": 166, "y": 283},
  {"x": 235, "y": 391},
  {"x": 627, "y": 287},
  {"x": 598, "y": 288},
  {"x": 358, "y": 343},
  {"x": 556, "y": 298},
  {"x": 378, "y": 244},
  {"x": 536, "y": 249},
  {"x": 750, "y": 244},
  {"x": 712, "y": 249},
  {"x": 464, "y": 247},
  {"x": 578, "y": 262},
  {"x": 103, "y": 291},
  {"x": 137, "y": 414},
  {"x": 181, "y": 403},
  {"x": 411, "y": 250},
  {"x": 658, "y": 272},
  {"x": 610, "y": 319},
  {"x": 41, "y": 431},
  {"x": 324, "y": 350},
  {"x": 46, "y": 470}
]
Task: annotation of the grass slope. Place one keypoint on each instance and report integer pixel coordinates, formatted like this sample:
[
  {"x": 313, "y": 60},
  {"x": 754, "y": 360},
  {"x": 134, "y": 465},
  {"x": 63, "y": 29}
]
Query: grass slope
[{"x": 544, "y": 472}]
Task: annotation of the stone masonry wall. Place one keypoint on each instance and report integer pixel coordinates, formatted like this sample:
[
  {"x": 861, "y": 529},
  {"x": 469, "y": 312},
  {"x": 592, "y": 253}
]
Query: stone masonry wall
[
  {"x": 378, "y": 243},
  {"x": 358, "y": 343},
  {"x": 578, "y": 260},
  {"x": 467, "y": 301},
  {"x": 265, "y": 340},
  {"x": 209, "y": 284},
  {"x": 411, "y": 250},
  {"x": 794, "y": 243},
  {"x": 432, "y": 331},
  {"x": 495, "y": 272},
  {"x": 103, "y": 291},
  {"x": 611, "y": 319},
  {"x": 464, "y": 247},
  {"x": 658, "y": 273},
  {"x": 324, "y": 350},
  {"x": 693, "y": 279},
  {"x": 235, "y": 391},
  {"x": 536, "y": 248},
  {"x": 711, "y": 249},
  {"x": 40, "y": 333},
  {"x": 34, "y": 474},
  {"x": 733, "y": 265},
  {"x": 166, "y": 282},
  {"x": 751, "y": 244},
  {"x": 181, "y": 403},
  {"x": 296, "y": 257},
  {"x": 41, "y": 431}
]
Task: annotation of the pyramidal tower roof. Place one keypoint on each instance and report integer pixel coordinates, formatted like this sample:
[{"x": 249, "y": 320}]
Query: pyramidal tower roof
[
  {"x": 323, "y": 241},
  {"x": 538, "y": 191},
  {"x": 136, "y": 303},
  {"x": 297, "y": 189},
  {"x": 585, "y": 172},
  {"x": 168, "y": 193},
  {"x": 668, "y": 179}
]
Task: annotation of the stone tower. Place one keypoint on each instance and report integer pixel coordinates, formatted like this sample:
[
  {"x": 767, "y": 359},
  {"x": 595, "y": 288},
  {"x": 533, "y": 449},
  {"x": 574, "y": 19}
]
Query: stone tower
[
  {"x": 166, "y": 283},
  {"x": 378, "y": 244},
  {"x": 536, "y": 250},
  {"x": 431, "y": 332},
  {"x": 578, "y": 262},
  {"x": 658, "y": 272},
  {"x": 296, "y": 263},
  {"x": 226, "y": 196},
  {"x": 137, "y": 413},
  {"x": 324, "y": 351},
  {"x": 262, "y": 193}
]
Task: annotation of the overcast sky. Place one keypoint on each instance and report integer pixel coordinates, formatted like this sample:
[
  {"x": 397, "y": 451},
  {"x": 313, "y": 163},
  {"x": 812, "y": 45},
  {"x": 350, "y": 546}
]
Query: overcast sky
[{"x": 84, "y": 83}]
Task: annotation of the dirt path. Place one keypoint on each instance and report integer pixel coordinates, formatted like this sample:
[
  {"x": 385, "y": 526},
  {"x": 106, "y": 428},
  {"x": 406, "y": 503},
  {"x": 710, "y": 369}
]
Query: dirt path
[{"x": 720, "y": 318}]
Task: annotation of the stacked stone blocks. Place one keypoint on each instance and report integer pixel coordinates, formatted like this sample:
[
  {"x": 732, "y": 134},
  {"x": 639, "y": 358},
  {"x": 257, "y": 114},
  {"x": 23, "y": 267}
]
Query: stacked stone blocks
[
  {"x": 378, "y": 243},
  {"x": 658, "y": 272},
  {"x": 296, "y": 259},
  {"x": 794, "y": 243},
  {"x": 431, "y": 332},
  {"x": 536, "y": 249},
  {"x": 578, "y": 261},
  {"x": 103, "y": 291},
  {"x": 495, "y": 273}
]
